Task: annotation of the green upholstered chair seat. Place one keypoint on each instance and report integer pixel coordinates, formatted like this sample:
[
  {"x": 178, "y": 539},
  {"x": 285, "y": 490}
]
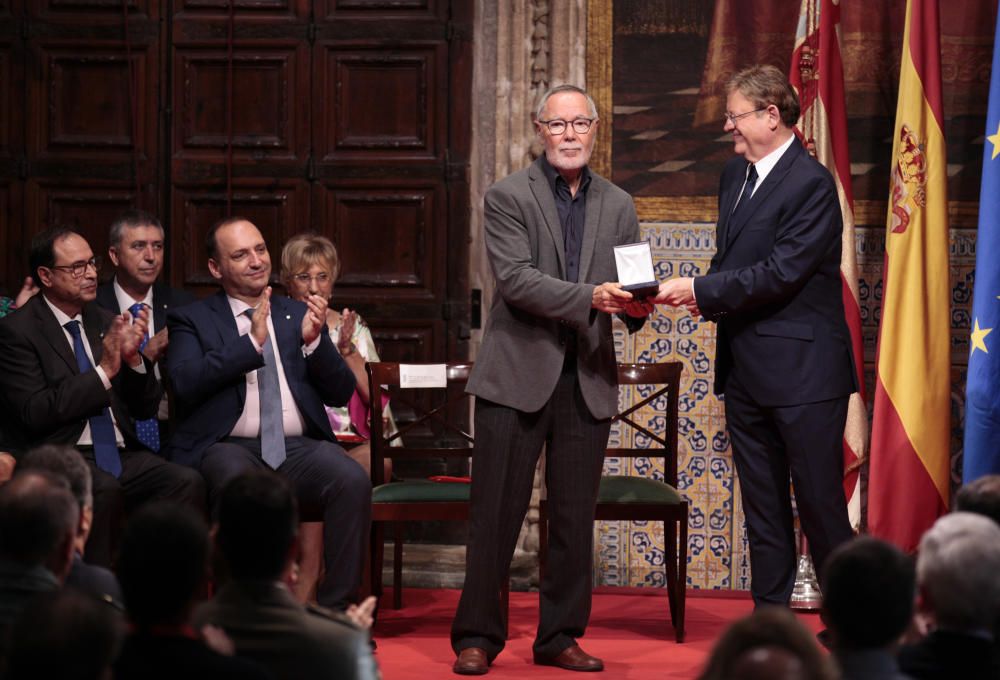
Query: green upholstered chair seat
[
  {"x": 420, "y": 491},
  {"x": 619, "y": 489}
]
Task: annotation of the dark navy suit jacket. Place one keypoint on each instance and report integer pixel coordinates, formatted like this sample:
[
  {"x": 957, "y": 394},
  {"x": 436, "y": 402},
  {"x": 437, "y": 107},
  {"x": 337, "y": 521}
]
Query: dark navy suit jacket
[
  {"x": 774, "y": 285},
  {"x": 165, "y": 298},
  {"x": 208, "y": 362}
]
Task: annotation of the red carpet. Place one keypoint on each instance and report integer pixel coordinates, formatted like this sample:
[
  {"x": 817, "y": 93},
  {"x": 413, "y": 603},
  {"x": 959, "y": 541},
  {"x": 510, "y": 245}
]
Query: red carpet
[{"x": 629, "y": 628}]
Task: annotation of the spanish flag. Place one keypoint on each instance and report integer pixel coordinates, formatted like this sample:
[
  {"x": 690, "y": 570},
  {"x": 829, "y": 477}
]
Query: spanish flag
[
  {"x": 817, "y": 74},
  {"x": 909, "y": 480}
]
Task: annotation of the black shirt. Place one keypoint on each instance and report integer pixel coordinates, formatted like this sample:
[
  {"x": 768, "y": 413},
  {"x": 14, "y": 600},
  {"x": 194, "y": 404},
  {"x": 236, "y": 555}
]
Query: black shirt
[{"x": 572, "y": 215}]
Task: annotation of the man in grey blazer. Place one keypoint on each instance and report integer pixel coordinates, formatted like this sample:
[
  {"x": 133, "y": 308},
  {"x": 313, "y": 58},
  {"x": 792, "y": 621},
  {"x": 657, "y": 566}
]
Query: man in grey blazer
[{"x": 545, "y": 375}]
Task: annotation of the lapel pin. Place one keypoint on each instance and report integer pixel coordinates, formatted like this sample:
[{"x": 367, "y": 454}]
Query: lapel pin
[{"x": 288, "y": 316}]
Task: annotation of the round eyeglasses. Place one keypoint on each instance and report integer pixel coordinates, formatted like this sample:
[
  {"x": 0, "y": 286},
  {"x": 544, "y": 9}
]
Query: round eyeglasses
[{"x": 557, "y": 126}]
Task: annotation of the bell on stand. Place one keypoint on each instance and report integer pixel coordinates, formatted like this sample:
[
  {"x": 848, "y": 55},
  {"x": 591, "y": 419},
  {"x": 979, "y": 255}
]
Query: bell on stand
[{"x": 806, "y": 595}]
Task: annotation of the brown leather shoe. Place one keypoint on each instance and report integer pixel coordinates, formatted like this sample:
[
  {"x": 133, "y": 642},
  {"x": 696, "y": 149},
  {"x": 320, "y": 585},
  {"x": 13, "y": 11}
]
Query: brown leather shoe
[
  {"x": 471, "y": 661},
  {"x": 572, "y": 659}
]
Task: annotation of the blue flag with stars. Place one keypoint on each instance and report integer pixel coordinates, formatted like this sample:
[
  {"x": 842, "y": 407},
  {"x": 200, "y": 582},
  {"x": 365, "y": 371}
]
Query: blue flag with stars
[{"x": 982, "y": 390}]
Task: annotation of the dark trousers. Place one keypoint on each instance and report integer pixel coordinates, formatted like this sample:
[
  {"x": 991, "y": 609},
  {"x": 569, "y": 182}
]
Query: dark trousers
[
  {"x": 769, "y": 443},
  {"x": 329, "y": 486},
  {"x": 145, "y": 477},
  {"x": 508, "y": 443}
]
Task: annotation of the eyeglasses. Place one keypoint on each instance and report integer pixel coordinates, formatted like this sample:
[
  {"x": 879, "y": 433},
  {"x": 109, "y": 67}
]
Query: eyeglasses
[
  {"x": 78, "y": 269},
  {"x": 733, "y": 117},
  {"x": 556, "y": 127},
  {"x": 306, "y": 278}
]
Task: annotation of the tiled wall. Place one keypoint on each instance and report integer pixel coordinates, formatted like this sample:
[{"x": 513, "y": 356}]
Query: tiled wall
[{"x": 631, "y": 553}]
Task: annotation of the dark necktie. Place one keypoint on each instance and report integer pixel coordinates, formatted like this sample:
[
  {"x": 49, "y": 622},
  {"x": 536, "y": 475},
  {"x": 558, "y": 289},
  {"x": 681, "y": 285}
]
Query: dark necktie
[
  {"x": 744, "y": 199},
  {"x": 147, "y": 431},
  {"x": 272, "y": 428},
  {"x": 747, "y": 189},
  {"x": 102, "y": 430}
]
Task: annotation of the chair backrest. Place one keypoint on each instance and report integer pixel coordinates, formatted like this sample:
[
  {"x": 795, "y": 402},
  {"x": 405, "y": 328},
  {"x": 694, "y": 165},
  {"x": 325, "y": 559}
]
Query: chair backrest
[
  {"x": 432, "y": 422},
  {"x": 658, "y": 386}
]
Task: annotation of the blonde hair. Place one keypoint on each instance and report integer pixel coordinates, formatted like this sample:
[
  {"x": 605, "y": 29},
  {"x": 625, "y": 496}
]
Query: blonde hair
[{"x": 305, "y": 250}]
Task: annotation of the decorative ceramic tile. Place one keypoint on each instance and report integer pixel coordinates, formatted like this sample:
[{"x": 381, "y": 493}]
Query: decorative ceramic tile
[{"x": 631, "y": 553}]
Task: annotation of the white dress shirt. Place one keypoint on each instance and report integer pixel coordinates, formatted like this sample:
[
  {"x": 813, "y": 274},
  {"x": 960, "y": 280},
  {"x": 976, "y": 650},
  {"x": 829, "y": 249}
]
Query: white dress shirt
[{"x": 248, "y": 424}]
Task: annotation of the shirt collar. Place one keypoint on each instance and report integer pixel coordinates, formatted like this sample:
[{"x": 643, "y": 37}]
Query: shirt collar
[
  {"x": 238, "y": 307},
  {"x": 766, "y": 164},
  {"x": 61, "y": 316},
  {"x": 553, "y": 176},
  {"x": 125, "y": 300}
]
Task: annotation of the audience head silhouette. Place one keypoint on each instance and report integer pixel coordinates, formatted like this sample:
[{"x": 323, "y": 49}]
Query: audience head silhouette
[
  {"x": 770, "y": 644},
  {"x": 66, "y": 462},
  {"x": 258, "y": 521},
  {"x": 868, "y": 593},
  {"x": 67, "y": 635},
  {"x": 957, "y": 568},
  {"x": 38, "y": 521},
  {"x": 981, "y": 496},
  {"x": 163, "y": 564}
]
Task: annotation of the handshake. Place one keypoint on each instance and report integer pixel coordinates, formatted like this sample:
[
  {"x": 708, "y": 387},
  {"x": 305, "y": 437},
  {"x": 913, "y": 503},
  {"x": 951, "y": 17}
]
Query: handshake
[{"x": 613, "y": 299}]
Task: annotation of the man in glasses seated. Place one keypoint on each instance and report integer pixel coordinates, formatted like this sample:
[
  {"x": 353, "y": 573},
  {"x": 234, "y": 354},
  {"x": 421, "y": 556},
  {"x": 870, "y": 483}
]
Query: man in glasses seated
[{"x": 71, "y": 373}]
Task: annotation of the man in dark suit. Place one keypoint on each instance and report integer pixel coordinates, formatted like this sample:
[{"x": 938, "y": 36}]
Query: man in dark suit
[
  {"x": 251, "y": 374},
  {"x": 545, "y": 374},
  {"x": 135, "y": 247},
  {"x": 256, "y": 536},
  {"x": 71, "y": 373},
  {"x": 783, "y": 357}
]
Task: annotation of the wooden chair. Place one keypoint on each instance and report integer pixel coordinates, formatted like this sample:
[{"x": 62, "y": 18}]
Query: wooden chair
[
  {"x": 433, "y": 427},
  {"x": 640, "y": 498}
]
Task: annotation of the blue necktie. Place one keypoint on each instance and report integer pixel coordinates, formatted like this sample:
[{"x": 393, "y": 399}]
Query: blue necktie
[
  {"x": 102, "y": 430},
  {"x": 147, "y": 431},
  {"x": 272, "y": 428}
]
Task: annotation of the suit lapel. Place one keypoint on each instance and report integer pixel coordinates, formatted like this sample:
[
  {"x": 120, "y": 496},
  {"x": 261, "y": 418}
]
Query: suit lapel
[
  {"x": 591, "y": 224},
  {"x": 726, "y": 206},
  {"x": 159, "y": 307},
  {"x": 543, "y": 194},
  {"x": 284, "y": 329},
  {"x": 93, "y": 325},
  {"x": 225, "y": 322},
  {"x": 764, "y": 189},
  {"x": 53, "y": 332}
]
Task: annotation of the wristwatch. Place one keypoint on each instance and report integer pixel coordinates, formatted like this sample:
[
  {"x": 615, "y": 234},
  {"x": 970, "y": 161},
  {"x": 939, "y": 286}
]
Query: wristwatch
[{"x": 347, "y": 351}]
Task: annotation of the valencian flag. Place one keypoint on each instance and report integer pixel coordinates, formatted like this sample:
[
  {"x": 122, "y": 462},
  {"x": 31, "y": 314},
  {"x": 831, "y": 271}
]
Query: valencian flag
[
  {"x": 982, "y": 391},
  {"x": 817, "y": 73},
  {"x": 908, "y": 486}
]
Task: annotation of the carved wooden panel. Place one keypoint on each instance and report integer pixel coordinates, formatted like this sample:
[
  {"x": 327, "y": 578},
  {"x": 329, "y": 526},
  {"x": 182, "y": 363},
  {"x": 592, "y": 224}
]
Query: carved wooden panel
[
  {"x": 87, "y": 208},
  {"x": 92, "y": 11},
  {"x": 381, "y": 104},
  {"x": 10, "y": 121},
  {"x": 332, "y": 10},
  {"x": 85, "y": 105},
  {"x": 410, "y": 264},
  {"x": 269, "y": 9},
  {"x": 406, "y": 343},
  {"x": 277, "y": 209},
  {"x": 269, "y": 118}
]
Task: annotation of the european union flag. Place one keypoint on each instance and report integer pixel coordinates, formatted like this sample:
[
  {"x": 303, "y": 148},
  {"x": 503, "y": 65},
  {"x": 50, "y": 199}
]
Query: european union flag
[{"x": 982, "y": 391}]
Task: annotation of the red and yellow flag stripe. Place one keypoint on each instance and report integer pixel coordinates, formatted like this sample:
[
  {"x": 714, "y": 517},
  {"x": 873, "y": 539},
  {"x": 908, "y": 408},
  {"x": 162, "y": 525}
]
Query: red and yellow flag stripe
[{"x": 909, "y": 482}]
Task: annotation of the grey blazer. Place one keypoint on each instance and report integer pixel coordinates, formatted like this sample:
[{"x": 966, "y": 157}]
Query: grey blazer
[{"x": 521, "y": 356}]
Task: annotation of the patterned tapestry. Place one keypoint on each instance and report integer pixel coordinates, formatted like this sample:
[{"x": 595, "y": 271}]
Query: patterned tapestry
[{"x": 631, "y": 553}]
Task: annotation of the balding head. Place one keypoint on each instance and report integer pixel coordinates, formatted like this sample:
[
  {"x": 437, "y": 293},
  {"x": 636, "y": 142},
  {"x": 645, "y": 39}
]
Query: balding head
[{"x": 38, "y": 521}]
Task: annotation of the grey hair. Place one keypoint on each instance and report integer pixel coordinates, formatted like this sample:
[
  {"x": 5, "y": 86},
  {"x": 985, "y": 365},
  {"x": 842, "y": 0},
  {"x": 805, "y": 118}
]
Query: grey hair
[
  {"x": 591, "y": 106},
  {"x": 957, "y": 568},
  {"x": 129, "y": 220}
]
